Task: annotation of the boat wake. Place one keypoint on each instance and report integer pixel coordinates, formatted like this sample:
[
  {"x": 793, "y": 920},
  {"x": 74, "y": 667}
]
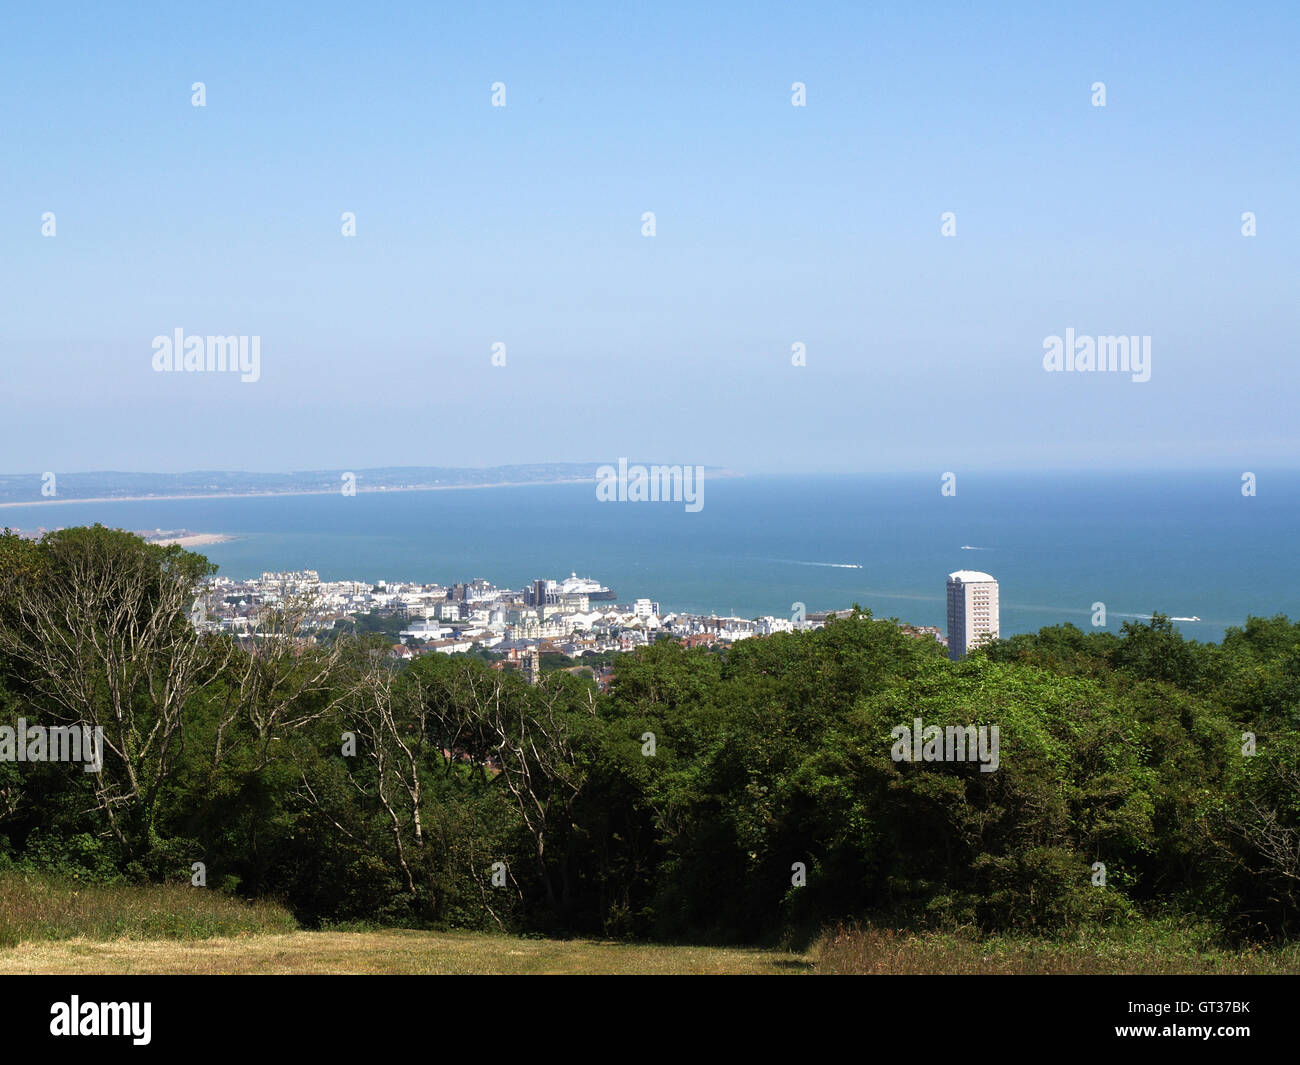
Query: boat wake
[
  {"x": 1147, "y": 617},
  {"x": 832, "y": 565}
]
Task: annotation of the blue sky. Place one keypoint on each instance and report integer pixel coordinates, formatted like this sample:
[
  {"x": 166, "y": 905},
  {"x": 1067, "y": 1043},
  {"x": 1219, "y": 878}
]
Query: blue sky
[{"x": 775, "y": 225}]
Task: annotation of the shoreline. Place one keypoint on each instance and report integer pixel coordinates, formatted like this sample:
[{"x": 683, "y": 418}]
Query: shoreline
[
  {"x": 197, "y": 540},
  {"x": 276, "y": 495}
]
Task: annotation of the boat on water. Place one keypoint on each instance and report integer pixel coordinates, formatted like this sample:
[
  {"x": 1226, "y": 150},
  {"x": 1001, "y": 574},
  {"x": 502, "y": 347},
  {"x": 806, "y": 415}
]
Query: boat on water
[{"x": 594, "y": 590}]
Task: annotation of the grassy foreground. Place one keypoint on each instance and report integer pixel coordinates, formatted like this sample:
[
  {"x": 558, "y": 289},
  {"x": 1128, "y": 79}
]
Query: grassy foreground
[
  {"x": 35, "y": 907},
  {"x": 414, "y": 952},
  {"x": 391, "y": 952},
  {"x": 57, "y": 927},
  {"x": 1144, "y": 949}
]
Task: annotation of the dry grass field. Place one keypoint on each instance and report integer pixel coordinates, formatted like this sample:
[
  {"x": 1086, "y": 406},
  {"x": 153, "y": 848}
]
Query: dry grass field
[
  {"x": 875, "y": 952},
  {"x": 55, "y": 927},
  {"x": 387, "y": 952}
]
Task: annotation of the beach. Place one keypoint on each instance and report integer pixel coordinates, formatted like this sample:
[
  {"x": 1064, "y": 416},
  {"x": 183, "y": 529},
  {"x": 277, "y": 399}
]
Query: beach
[{"x": 195, "y": 540}]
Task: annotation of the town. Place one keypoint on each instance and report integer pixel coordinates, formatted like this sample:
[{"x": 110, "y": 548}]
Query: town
[{"x": 575, "y": 617}]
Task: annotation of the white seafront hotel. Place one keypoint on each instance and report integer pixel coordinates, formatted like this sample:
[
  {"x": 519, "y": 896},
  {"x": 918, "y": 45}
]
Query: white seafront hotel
[{"x": 972, "y": 611}]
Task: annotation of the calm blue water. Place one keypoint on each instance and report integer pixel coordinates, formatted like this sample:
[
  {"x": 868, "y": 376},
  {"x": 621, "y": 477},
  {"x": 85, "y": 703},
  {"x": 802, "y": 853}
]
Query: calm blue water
[{"x": 1181, "y": 543}]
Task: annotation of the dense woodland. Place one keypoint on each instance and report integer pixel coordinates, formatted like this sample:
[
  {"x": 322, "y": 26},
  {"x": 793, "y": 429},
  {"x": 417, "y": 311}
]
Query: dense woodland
[{"x": 446, "y": 793}]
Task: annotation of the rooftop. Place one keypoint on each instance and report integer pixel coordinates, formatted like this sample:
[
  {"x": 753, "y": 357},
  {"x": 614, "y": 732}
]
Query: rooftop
[{"x": 970, "y": 576}]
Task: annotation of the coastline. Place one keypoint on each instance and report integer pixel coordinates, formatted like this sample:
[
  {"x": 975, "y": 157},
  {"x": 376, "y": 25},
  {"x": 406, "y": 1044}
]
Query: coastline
[
  {"x": 310, "y": 492},
  {"x": 197, "y": 540},
  {"x": 276, "y": 495}
]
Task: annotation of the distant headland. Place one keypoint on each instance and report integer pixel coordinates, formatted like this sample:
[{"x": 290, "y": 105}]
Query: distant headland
[{"x": 27, "y": 489}]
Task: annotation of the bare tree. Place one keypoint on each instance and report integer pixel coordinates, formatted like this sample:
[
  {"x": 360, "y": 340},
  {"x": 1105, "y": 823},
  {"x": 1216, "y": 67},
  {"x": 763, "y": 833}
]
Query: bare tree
[
  {"x": 521, "y": 736},
  {"x": 480, "y": 725},
  {"x": 390, "y": 721},
  {"x": 102, "y": 639},
  {"x": 100, "y": 635},
  {"x": 1265, "y": 828},
  {"x": 282, "y": 680}
]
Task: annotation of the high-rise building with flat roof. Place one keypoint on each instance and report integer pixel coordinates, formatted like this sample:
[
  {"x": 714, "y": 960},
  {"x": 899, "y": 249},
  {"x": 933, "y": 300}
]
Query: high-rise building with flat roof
[{"x": 972, "y": 611}]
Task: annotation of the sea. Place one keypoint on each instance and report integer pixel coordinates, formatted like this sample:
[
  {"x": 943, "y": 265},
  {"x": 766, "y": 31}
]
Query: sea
[{"x": 1190, "y": 545}]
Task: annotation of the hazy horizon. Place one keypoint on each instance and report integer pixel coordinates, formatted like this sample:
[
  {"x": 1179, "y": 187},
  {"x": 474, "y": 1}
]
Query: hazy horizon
[{"x": 717, "y": 469}]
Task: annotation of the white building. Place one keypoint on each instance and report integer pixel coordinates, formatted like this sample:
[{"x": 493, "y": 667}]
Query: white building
[
  {"x": 972, "y": 611},
  {"x": 426, "y": 630},
  {"x": 645, "y": 608}
]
